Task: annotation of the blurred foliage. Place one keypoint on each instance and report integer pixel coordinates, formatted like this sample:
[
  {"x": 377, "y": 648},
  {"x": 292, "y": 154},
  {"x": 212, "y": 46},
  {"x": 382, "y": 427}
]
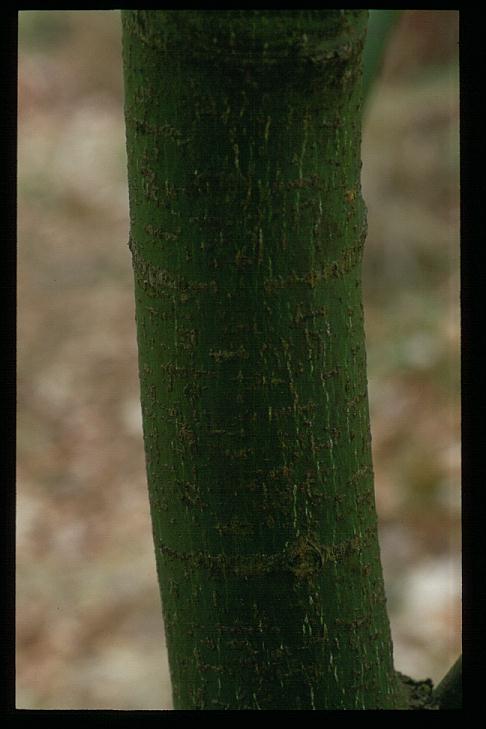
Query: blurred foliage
[
  {"x": 89, "y": 629},
  {"x": 43, "y": 31}
]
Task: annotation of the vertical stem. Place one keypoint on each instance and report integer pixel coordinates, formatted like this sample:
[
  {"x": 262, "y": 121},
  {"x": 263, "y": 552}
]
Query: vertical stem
[{"x": 247, "y": 230}]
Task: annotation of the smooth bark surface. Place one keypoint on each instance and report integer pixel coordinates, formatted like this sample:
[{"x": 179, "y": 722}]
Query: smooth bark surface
[{"x": 247, "y": 232}]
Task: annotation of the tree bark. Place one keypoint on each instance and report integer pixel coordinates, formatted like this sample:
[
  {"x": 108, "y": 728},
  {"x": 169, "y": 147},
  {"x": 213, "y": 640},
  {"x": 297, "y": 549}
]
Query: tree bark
[{"x": 247, "y": 232}]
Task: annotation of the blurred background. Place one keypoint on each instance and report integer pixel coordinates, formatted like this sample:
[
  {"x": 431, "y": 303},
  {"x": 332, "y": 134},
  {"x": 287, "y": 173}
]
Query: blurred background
[{"x": 89, "y": 626}]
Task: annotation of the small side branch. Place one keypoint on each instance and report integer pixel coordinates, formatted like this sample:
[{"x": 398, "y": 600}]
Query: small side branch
[
  {"x": 448, "y": 693},
  {"x": 380, "y": 26}
]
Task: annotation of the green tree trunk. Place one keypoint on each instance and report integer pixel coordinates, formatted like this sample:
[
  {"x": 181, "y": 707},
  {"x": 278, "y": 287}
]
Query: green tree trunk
[{"x": 247, "y": 232}]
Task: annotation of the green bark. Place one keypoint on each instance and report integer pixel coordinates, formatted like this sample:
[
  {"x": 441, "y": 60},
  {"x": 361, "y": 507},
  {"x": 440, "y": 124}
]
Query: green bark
[{"x": 247, "y": 231}]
